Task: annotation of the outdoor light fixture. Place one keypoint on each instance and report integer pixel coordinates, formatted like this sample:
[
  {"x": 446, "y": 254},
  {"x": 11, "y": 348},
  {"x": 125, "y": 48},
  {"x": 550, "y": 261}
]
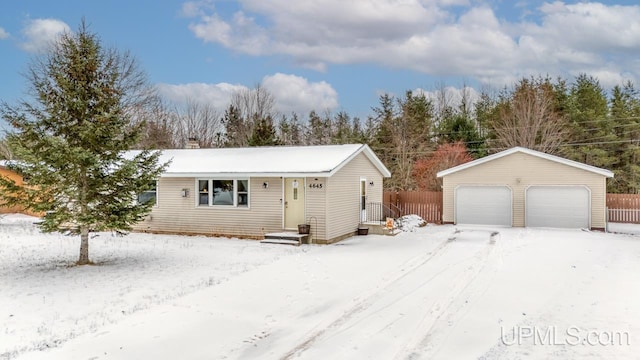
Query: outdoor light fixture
[
  {"x": 185, "y": 193},
  {"x": 265, "y": 185}
]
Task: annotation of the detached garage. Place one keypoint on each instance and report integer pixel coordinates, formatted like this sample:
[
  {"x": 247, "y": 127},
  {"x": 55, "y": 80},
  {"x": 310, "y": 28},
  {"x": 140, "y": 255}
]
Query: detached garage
[{"x": 522, "y": 187}]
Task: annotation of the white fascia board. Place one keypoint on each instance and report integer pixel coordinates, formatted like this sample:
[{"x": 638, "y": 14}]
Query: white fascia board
[
  {"x": 579, "y": 165},
  {"x": 370, "y": 155},
  {"x": 376, "y": 161},
  {"x": 241, "y": 175}
]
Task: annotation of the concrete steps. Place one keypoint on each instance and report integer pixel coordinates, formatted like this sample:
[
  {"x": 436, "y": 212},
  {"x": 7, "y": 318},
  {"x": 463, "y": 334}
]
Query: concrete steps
[{"x": 286, "y": 238}]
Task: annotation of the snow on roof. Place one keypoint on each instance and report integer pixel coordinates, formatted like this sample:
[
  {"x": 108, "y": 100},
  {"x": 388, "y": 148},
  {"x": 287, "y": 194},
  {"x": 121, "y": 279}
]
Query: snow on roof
[
  {"x": 321, "y": 160},
  {"x": 579, "y": 165}
]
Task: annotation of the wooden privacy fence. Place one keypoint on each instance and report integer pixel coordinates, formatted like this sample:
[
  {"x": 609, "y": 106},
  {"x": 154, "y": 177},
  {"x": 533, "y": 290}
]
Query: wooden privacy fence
[
  {"x": 426, "y": 204},
  {"x": 623, "y": 208}
]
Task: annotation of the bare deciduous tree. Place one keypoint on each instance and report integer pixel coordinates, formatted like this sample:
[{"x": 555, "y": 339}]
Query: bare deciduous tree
[
  {"x": 159, "y": 129},
  {"x": 528, "y": 118},
  {"x": 197, "y": 121},
  {"x": 248, "y": 106},
  {"x": 254, "y": 103}
]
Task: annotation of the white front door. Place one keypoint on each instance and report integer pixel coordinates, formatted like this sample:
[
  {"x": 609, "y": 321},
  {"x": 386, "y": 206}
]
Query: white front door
[
  {"x": 294, "y": 202},
  {"x": 558, "y": 206}
]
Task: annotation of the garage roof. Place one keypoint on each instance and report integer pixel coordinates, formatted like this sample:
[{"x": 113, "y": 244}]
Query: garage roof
[
  {"x": 579, "y": 165},
  {"x": 318, "y": 161}
]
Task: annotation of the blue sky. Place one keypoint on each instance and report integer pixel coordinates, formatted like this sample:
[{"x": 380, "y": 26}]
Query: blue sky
[{"x": 335, "y": 54}]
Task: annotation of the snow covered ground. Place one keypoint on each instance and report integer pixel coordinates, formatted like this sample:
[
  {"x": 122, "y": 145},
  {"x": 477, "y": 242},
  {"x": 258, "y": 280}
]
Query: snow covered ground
[
  {"x": 622, "y": 228},
  {"x": 438, "y": 292}
]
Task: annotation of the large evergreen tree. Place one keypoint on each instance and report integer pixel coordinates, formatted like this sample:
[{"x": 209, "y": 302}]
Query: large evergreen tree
[
  {"x": 591, "y": 130},
  {"x": 235, "y": 128},
  {"x": 264, "y": 133},
  {"x": 625, "y": 118},
  {"x": 404, "y": 133},
  {"x": 459, "y": 127},
  {"x": 72, "y": 136},
  {"x": 290, "y": 130}
]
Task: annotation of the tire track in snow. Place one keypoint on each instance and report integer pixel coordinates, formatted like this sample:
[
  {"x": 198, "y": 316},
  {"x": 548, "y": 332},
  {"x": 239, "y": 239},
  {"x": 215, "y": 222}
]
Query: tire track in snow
[
  {"x": 365, "y": 302},
  {"x": 455, "y": 308},
  {"x": 410, "y": 286}
]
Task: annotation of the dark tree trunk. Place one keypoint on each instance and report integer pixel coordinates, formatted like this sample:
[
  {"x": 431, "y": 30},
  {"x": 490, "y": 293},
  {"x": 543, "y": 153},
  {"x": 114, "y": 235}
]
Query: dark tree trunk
[{"x": 84, "y": 246}]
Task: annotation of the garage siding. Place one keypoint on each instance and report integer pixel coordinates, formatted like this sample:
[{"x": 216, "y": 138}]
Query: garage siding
[{"x": 530, "y": 170}]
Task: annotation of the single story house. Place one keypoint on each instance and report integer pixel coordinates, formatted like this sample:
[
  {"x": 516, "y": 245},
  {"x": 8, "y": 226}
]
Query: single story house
[
  {"x": 522, "y": 187},
  {"x": 249, "y": 192}
]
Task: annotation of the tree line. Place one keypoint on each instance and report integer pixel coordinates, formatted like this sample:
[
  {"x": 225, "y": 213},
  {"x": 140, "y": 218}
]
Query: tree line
[{"x": 578, "y": 119}]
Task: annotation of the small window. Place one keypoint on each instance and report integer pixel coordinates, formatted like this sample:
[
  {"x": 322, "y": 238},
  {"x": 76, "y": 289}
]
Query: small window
[
  {"x": 149, "y": 195},
  {"x": 203, "y": 192},
  {"x": 243, "y": 192}
]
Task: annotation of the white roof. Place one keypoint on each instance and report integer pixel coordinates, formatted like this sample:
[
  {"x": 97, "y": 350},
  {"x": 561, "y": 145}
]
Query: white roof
[
  {"x": 579, "y": 165},
  {"x": 318, "y": 161}
]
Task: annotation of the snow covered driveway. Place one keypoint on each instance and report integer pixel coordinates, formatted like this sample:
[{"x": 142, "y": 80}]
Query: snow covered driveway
[{"x": 439, "y": 292}]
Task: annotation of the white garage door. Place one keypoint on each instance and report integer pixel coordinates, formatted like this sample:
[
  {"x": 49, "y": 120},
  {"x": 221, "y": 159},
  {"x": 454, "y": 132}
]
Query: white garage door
[
  {"x": 483, "y": 205},
  {"x": 558, "y": 206}
]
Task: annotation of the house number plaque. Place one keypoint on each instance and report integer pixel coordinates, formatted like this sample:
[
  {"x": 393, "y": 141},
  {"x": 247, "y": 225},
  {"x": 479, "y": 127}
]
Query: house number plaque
[{"x": 315, "y": 186}]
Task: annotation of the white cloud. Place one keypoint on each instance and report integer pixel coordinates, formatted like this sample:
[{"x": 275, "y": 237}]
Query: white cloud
[
  {"x": 296, "y": 94},
  {"x": 3, "y": 34},
  {"x": 217, "y": 95},
  {"x": 437, "y": 37},
  {"x": 40, "y": 33},
  {"x": 291, "y": 93}
]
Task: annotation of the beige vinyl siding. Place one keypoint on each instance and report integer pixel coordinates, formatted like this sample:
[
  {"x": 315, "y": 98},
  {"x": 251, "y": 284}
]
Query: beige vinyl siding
[
  {"x": 519, "y": 171},
  {"x": 343, "y": 195},
  {"x": 177, "y": 214},
  {"x": 316, "y": 210}
]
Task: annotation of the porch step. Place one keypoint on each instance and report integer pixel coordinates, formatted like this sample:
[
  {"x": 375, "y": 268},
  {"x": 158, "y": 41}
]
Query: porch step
[{"x": 288, "y": 238}]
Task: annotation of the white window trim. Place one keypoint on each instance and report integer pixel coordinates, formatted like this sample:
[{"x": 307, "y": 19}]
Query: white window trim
[{"x": 210, "y": 196}]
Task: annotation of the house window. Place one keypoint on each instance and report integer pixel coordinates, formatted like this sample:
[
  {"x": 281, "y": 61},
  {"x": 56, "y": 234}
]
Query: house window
[
  {"x": 149, "y": 195},
  {"x": 203, "y": 192},
  {"x": 223, "y": 192},
  {"x": 243, "y": 192}
]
